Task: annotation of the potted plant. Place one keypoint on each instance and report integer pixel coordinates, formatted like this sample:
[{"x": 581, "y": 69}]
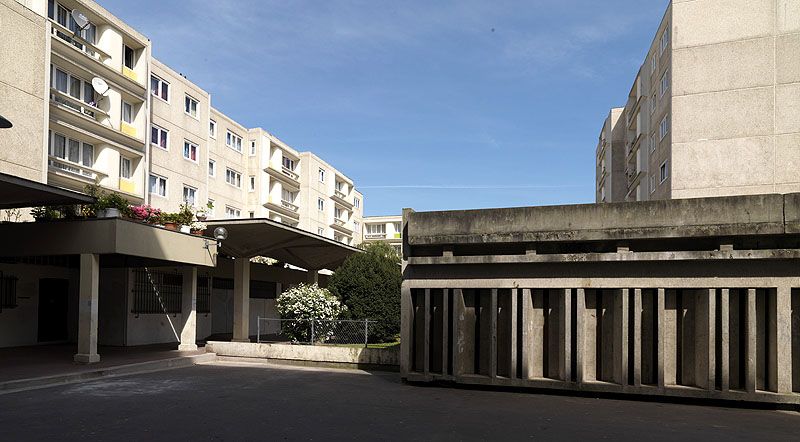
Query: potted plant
[
  {"x": 170, "y": 221},
  {"x": 145, "y": 213},
  {"x": 108, "y": 205},
  {"x": 202, "y": 213},
  {"x": 184, "y": 217},
  {"x": 197, "y": 227},
  {"x": 45, "y": 214}
]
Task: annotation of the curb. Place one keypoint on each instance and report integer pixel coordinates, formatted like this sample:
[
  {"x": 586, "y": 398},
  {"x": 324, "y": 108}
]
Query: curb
[{"x": 119, "y": 370}]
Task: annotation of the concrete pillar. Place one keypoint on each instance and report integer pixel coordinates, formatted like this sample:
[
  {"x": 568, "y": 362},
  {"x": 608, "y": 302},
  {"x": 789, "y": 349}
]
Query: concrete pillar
[
  {"x": 782, "y": 316},
  {"x": 241, "y": 300},
  {"x": 621, "y": 336},
  {"x": 530, "y": 369},
  {"x": 565, "y": 335},
  {"x": 513, "y": 368},
  {"x": 189, "y": 310},
  {"x": 312, "y": 276},
  {"x": 659, "y": 321},
  {"x": 445, "y": 330},
  {"x": 463, "y": 351},
  {"x": 87, "y": 309},
  {"x": 426, "y": 347},
  {"x": 705, "y": 331},
  {"x": 406, "y": 322},
  {"x": 724, "y": 339},
  {"x": 580, "y": 310},
  {"x": 637, "y": 337},
  {"x": 751, "y": 342},
  {"x": 493, "y": 336}
]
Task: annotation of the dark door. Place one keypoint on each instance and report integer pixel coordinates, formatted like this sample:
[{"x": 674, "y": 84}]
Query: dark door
[{"x": 53, "y": 310}]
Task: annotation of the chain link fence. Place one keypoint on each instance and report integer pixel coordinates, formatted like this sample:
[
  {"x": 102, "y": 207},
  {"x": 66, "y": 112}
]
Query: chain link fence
[{"x": 314, "y": 331}]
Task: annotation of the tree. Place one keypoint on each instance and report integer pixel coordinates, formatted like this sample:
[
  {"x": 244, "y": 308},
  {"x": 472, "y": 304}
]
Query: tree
[{"x": 369, "y": 285}]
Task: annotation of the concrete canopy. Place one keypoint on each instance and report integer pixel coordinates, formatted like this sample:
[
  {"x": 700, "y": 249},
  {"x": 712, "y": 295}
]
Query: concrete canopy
[
  {"x": 18, "y": 192},
  {"x": 264, "y": 237}
]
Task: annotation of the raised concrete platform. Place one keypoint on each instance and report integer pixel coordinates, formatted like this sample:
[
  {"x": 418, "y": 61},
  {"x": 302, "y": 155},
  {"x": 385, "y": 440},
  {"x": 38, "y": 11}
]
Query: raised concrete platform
[{"x": 317, "y": 355}]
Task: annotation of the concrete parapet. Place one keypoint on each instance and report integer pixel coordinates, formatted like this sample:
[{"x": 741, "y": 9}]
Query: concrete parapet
[{"x": 354, "y": 357}]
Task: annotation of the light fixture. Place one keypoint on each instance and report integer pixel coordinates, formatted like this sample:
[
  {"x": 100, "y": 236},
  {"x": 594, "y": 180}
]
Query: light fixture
[{"x": 220, "y": 233}]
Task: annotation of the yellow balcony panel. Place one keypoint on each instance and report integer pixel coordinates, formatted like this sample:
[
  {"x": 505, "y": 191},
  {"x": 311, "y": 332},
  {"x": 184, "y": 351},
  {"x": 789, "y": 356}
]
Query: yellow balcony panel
[
  {"x": 127, "y": 129},
  {"x": 128, "y": 72},
  {"x": 127, "y": 186}
]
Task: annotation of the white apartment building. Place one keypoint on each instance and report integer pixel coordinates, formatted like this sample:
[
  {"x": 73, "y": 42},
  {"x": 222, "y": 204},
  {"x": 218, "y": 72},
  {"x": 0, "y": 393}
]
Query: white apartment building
[
  {"x": 388, "y": 229},
  {"x": 712, "y": 110},
  {"x": 79, "y": 135},
  {"x": 153, "y": 136}
]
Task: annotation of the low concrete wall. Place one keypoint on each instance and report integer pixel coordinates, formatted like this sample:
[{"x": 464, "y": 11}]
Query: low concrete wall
[{"x": 388, "y": 358}]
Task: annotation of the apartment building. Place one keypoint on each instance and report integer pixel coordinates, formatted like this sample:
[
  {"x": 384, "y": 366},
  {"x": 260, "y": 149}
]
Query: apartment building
[
  {"x": 81, "y": 89},
  {"x": 388, "y": 229},
  {"x": 712, "y": 109}
]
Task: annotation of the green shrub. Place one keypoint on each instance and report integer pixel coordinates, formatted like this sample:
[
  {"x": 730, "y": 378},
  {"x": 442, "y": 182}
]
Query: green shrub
[
  {"x": 369, "y": 285},
  {"x": 306, "y": 302}
]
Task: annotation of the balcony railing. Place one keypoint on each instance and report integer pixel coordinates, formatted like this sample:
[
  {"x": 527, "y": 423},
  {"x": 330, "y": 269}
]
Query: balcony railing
[
  {"x": 288, "y": 205},
  {"x": 374, "y": 236},
  {"x": 339, "y": 194},
  {"x": 82, "y": 45},
  {"x": 77, "y": 105},
  {"x": 339, "y": 222},
  {"x": 290, "y": 173},
  {"x": 72, "y": 168}
]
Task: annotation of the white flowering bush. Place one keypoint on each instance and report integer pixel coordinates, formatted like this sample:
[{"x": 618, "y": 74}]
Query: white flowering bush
[{"x": 306, "y": 303}]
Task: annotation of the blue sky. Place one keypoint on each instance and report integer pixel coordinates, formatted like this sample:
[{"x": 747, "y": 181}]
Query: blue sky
[{"x": 430, "y": 105}]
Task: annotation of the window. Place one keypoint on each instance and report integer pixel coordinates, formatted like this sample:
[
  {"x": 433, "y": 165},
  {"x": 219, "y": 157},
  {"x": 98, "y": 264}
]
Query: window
[
  {"x": 212, "y": 168},
  {"x": 663, "y": 172},
  {"x": 252, "y": 183},
  {"x": 189, "y": 194},
  {"x": 320, "y": 231},
  {"x": 337, "y": 213},
  {"x": 189, "y": 150},
  {"x": 232, "y": 212},
  {"x": 356, "y": 227},
  {"x": 664, "y": 86},
  {"x": 288, "y": 196},
  {"x": 233, "y": 178},
  {"x": 663, "y": 128},
  {"x": 320, "y": 204},
  {"x": 125, "y": 168},
  {"x": 156, "y": 291},
  {"x": 252, "y": 147},
  {"x": 321, "y": 175},
  {"x": 62, "y": 16},
  {"x": 73, "y": 86},
  {"x": 357, "y": 202},
  {"x": 233, "y": 141},
  {"x": 190, "y": 106},
  {"x": 652, "y": 183},
  {"x": 252, "y": 214},
  {"x": 212, "y": 128},
  {"x": 376, "y": 229},
  {"x": 664, "y": 40},
  {"x": 70, "y": 150},
  {"x": 288, "y": 163},
  {"x": 127, "y": 112},
  {"x": 159, "y": 136},
  {"x": 158, "y": 185},
  {"x": 129, "y": 57},
  {"x": 340, "y": 186},
  {"x": 653, "y": 143},
  {"x": 159, "y": 88},
  {"x": 396, "y": 227},
  {"x": 653, "y": 104}
]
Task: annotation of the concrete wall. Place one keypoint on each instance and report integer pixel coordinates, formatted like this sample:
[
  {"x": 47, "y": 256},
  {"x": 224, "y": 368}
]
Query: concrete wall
[
  {"x": 23, "y": 88},
  {"x": 343, "y": 356}
]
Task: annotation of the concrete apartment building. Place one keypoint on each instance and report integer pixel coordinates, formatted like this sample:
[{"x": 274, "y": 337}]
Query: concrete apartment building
[
  {"x": 155, "y": 138},
  {"x": 713, "y": 108},
  {"x": 386, "y": 229}
]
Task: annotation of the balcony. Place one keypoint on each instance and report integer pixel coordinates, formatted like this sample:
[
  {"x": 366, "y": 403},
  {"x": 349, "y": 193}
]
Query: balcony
[
  {"x": 290, "y": 173},
  {"x": 340, "y": 198},
  {"x": 290, "y": 206},
  {"x": 284, "y": 208},
  {"x": 79, "y": 43},
  {"x": 374, "y": 236},
  {"x": 73, "y": 170},
  {"x": 68, "y": 101},
  {"x": 339, "y": 194},
  {"x": 288, "y": 178},
  {"x": 341, "y": 226}
]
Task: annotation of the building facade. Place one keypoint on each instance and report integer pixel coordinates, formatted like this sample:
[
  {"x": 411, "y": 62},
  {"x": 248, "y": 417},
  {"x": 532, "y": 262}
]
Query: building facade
[
  {"x": 153, "y": 135},
  {"x": 712, "y": 110},
  {"x": 386, "y": 229}
]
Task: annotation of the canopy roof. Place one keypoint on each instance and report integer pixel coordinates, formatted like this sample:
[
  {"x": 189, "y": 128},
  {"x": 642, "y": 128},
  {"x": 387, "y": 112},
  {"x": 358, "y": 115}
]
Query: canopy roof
[
  {"x": 18, "y": 192},
  {"x": 264, "y": 237}
]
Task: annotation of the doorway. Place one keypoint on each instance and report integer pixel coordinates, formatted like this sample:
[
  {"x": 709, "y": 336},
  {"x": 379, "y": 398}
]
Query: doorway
[{"x": 53, "y": 306}]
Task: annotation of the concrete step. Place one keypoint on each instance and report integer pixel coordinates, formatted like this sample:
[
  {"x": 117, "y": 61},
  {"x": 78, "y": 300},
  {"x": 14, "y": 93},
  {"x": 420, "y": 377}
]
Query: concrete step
[{"x": 119, "y": 370}]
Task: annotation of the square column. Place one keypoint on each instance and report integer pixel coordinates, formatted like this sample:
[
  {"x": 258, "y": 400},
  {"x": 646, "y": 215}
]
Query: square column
[
  {"x": 782, "y": 316},
  {"x": 87, "y": 309},
  {"x": 637, "y": 337},
  {"x": 189, "y": 310},
  {"x": 751, "y": 342},
  {"x": 406, "y": 324},
  {"x": 660, "y": 323},
  {"x": 565, "y": 335},
  {"x": 312, "y": 276},
  {"x": 241, "y": 300},
  {"x": 724, "y": 339}
]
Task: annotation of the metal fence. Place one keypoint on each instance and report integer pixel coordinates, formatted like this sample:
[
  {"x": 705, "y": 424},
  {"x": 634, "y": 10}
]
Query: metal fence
[{"x": 314, "y": 331}]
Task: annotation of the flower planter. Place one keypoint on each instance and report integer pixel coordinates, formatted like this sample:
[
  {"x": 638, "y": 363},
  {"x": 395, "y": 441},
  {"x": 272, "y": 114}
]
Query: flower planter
[
  {"x": 108, "y": 213},
  {"x": 197, "y": 232},
  {"x": 171, "y": 226},
  {"x": 185, "y": 229}
]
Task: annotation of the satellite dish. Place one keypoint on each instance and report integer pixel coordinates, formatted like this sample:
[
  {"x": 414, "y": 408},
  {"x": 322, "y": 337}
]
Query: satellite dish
[
  {"x": 100, "y": 86},
  {"x": 80, "y": 20},
  {"x": 4, "y": 124}
]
